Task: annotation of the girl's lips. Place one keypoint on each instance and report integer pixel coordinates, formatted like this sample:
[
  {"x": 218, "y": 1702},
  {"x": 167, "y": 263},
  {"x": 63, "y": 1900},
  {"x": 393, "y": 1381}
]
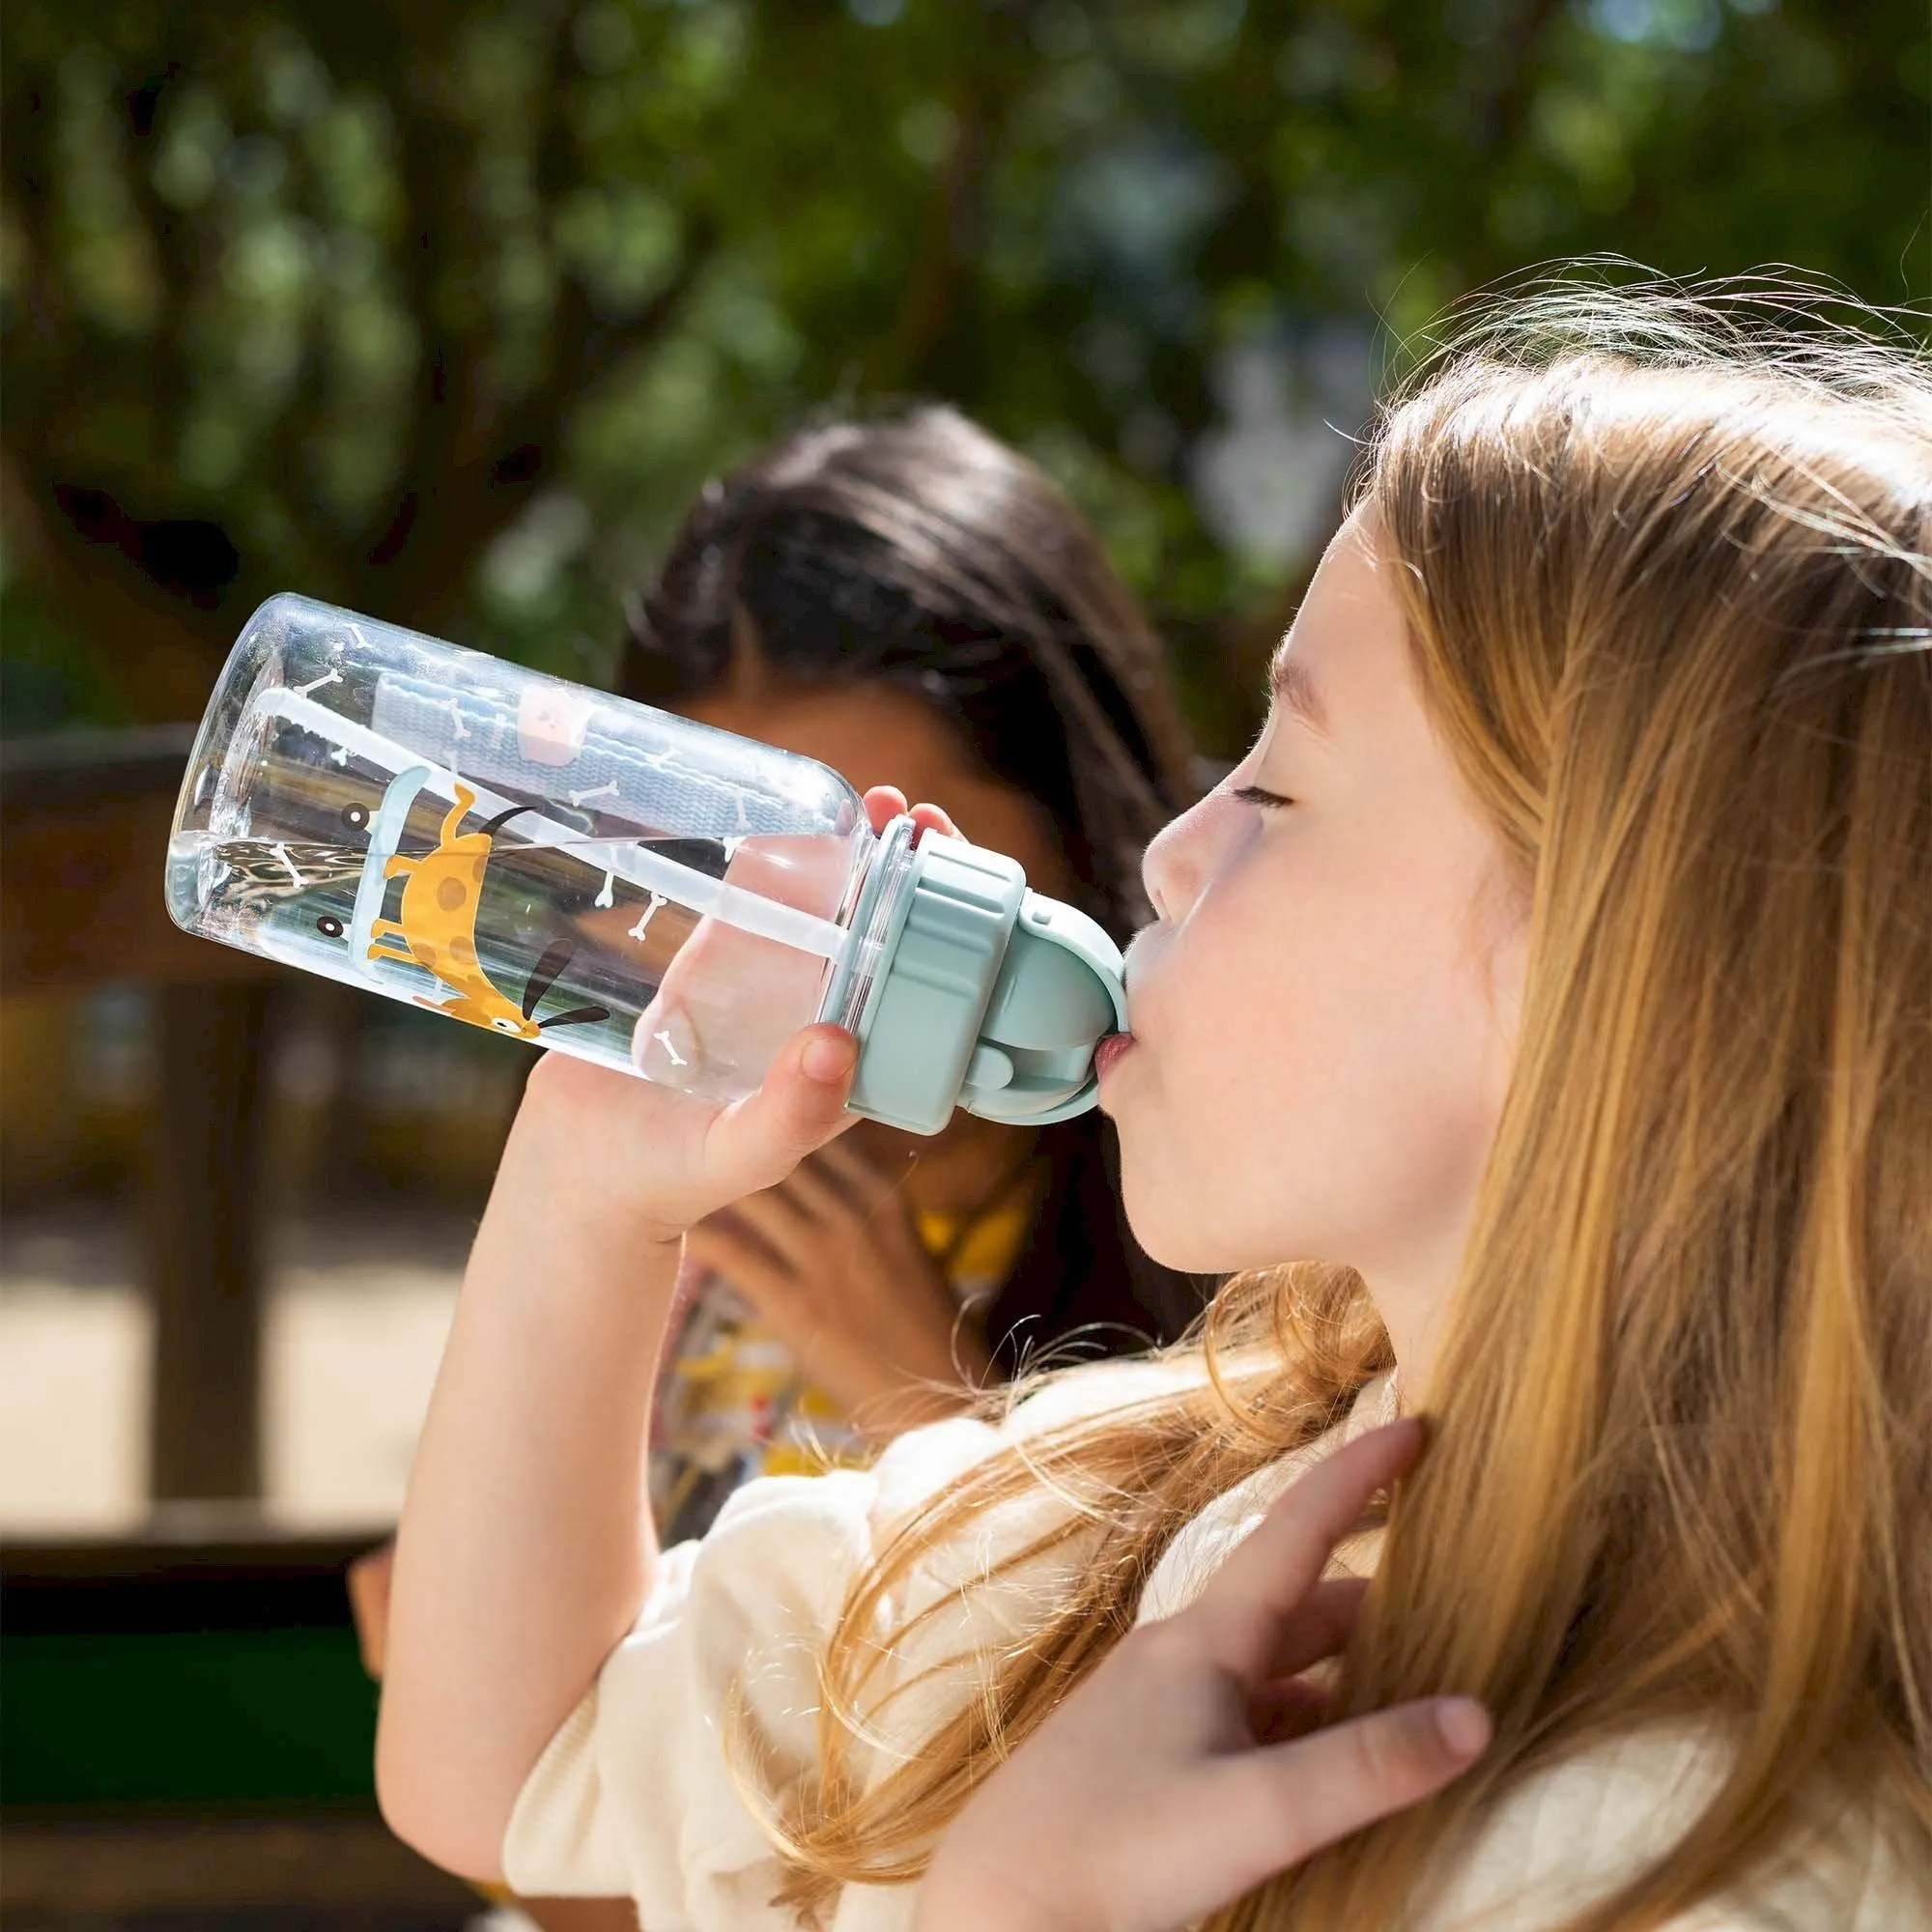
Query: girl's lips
[{"x": 1110, "y": 1050}]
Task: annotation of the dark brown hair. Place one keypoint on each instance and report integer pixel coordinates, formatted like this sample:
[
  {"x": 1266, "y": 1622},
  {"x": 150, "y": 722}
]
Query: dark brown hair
[{"x": 919, "y": 552}]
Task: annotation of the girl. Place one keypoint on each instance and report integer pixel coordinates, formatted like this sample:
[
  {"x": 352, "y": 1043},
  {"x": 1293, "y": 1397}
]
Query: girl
[
  {"x": 1551, "y": 986},
  {"x": 911, "y": 598}
]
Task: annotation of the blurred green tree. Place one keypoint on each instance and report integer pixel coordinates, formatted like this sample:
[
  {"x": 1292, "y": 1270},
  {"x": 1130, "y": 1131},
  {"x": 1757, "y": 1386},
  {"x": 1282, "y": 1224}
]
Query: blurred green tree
[{"x": 441, "y": 311}]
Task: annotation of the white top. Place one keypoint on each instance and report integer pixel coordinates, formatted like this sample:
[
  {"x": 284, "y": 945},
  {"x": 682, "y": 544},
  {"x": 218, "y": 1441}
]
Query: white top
[{"x": 636, "y": 1795}]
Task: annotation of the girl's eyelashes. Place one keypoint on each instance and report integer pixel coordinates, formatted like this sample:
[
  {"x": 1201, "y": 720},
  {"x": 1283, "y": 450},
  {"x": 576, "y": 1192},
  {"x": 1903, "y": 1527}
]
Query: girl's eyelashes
[{"x": 1268, "y": 801}]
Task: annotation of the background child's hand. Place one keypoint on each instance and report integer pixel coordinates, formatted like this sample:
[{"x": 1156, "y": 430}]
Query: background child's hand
[
  {"x": 369, "y": 1577},
  {"x": 1193, "y": 1763},
  {"x": 832, "y": 1259},
  {"x": 661, "y": 1160}
]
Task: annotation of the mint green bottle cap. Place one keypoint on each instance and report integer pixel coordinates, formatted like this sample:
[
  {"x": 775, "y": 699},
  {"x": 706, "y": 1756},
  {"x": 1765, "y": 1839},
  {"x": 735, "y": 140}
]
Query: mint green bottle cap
[{"x": 990, "y": 997}]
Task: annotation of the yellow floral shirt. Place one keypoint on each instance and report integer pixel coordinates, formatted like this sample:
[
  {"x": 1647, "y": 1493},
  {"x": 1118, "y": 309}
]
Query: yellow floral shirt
[{"x": 731, "y": 1404}]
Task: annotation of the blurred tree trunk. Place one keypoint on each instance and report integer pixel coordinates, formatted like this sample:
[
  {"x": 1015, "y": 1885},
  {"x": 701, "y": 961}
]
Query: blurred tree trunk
[{"x": 205, "y": 1240}]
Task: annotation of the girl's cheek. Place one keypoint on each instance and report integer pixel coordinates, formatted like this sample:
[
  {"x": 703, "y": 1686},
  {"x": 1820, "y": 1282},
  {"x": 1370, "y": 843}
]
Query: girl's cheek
[{"x": 1214, "y": 987}]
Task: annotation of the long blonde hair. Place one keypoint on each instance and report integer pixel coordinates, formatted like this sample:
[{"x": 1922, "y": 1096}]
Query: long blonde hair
[{"x": 1668, "y": 575}]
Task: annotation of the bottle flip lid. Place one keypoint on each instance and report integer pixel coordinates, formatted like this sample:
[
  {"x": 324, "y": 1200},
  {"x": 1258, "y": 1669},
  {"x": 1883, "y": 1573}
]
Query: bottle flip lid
[{"x": 988, "y": 996}]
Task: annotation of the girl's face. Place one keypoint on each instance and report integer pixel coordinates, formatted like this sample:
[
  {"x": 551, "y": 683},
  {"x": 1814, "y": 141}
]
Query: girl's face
[
  {"x": 881, "y": 735},
  {"x": 1323, "y": 1010}
]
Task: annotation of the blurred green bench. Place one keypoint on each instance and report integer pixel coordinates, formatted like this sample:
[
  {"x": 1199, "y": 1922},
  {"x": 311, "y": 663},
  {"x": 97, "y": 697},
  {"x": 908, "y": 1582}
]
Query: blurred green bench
[{"x": 187, "y": 1730}]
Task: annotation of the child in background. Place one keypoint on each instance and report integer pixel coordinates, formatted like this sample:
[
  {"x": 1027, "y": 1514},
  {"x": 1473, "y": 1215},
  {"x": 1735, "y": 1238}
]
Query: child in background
[
  {"x": 910, "y": 599},
  {"x": 1541, "y": 1015}
]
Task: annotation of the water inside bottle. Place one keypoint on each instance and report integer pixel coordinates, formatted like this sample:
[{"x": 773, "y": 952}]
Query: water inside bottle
[{"x": 564, "y": 916}]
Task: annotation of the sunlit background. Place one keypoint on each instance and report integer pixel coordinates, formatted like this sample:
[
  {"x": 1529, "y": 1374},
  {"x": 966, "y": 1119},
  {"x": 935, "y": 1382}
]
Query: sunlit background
[{"x": 443, "y": 312}]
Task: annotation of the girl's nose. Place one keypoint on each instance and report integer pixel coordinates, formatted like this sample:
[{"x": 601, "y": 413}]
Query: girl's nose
[{"x": 1180, "y": 860}]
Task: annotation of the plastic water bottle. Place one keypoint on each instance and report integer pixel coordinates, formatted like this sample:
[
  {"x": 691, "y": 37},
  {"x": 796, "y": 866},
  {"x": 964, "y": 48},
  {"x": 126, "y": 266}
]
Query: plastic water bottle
[{"x": 560, "y": 865}]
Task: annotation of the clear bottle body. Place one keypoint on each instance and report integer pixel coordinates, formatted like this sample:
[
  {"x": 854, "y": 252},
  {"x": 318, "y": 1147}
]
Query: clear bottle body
[{"x": 549, "y": 863}]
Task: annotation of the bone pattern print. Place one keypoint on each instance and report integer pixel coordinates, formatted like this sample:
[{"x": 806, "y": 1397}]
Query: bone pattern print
[
  {"x": 651, "y": 912},
  {"x": 259, "y": 871}
]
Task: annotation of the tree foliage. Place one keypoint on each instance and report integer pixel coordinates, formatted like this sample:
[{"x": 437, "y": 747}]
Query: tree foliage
[{"x": 441, "y": 311}]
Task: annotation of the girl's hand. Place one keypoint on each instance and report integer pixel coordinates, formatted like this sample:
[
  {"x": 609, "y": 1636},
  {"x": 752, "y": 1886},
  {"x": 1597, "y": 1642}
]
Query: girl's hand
[
  {"x": 1193, "y": 1763},
  {"x": 657, "y": 1160},
  {"x": 831, "y": 1257}
]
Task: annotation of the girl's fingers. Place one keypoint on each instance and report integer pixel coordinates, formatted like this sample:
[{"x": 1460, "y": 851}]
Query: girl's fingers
[
  {"x": 1247, "y": 1608},
  {"x": 1319, "y": 1625},
  {"x": 819, "y": 1192},
  {"x": 1280, "y": 1712},
  {"x": 755, "y": 1142},
  {"x": 931, "y": 818},
  {"x": 866, "y": 1186},
  {"x": 883, "y": 804},
  {"x": 1285, "y": 1801},
  {"x": 779, "y": 1219},
  {"x": 732, "y": 1226},
  {"x": 369, "y": 1578},
  {"x": 886, "y": 803},
  {"x": 748, "y": 1264},
  {"x": 787, "y": 1235}
]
